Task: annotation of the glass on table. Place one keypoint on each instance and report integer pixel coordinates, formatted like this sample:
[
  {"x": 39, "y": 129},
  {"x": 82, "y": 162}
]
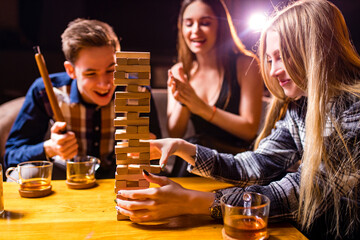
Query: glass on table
[
  {"x": 80, "y": 172},
  {"x": 34, "y": 178},
  {"x": 246, "y": 219}
]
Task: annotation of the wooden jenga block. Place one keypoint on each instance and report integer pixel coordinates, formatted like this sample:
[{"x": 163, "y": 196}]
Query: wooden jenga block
[
  {"x": 144, "y": 75},
  {"x": 127, "y": 95},
  {"x": 123, "y": 121},
  {"x": 132, "y": 115},
  {"x": 133, "y": 161},
  {"x": 133, "y": 143},
  {"x": 132, "y": 129},
  {"x": 144, "y": 61},
  {"x": 120, "y": 109},
  {"x": 121, "y": 61},
  {"x": 144, "y": 155},
  {"x": 144, "y": 183},
  {"x": 133, "y": 68},
  {"x": 143, "y": 129},
  {"x": 121, "y": 102},
  {"x": 120, "y": 75},
  {"x": 132, "y": 88},
  {"x": 122, "y": 169},
  {"x": 128, "y": 177},
  {"x": 124, "y": 81},
  {"x": 144, "y": 102},
  {"x": 121, "y": 149},
  {"x": 124, "y": 54},
  {"x": 121, "y": 134}
]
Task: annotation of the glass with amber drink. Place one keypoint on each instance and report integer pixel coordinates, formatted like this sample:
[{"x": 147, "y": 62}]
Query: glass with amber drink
[
  {"x": 246, "y": 219},
  {"x": 34, "y": 178},
  {"x": 80, "y": 172}
]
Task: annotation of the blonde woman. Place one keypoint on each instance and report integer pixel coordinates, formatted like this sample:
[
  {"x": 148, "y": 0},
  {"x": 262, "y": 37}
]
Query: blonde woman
[{"x": 313, "y": 72}]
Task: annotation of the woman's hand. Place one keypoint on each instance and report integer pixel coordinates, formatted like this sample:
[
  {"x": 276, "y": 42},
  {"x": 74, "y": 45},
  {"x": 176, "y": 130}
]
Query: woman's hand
[
  {"x": 169, "y": 200},
  {"x": 163, "y": 148},
  {"x": 61, "y": 144},
  {"x": 184, "y": 93}
]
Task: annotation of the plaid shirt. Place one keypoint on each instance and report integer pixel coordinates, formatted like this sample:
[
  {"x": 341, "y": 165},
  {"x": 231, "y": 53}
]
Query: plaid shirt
[
  {"x": 92, "y": 125},
  {"x": 265, "y": 170}
]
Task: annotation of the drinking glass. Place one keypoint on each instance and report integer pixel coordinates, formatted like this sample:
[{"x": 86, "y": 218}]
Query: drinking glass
[
  {"x": 34, "y": 178},
  {"x": 246, "y": 219},
  {"x": 80, "y": 172}
]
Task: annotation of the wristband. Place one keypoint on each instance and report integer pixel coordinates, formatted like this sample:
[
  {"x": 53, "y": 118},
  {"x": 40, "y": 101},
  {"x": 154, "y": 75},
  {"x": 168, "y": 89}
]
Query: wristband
[{"x": 213, "y": 113}]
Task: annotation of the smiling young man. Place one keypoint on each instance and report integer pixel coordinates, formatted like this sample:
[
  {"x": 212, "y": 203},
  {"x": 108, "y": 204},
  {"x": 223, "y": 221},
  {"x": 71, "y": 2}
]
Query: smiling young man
[{"x": 85, "y": 95}]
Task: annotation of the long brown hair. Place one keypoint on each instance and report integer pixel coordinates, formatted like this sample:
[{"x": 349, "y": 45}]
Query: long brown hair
[
  {"x": 227, "y": 41},
  {"x": 318, "y": 55}
]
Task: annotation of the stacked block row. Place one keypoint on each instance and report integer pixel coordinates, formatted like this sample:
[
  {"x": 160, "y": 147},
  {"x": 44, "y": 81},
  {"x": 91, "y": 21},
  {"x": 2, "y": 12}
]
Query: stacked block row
[{"x": 132, "y": 70}]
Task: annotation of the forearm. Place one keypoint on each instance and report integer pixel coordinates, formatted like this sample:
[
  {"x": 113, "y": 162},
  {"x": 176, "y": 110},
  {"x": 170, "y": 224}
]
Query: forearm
[
  {"x": 186, "y": 151},
  {"x": 15, "y": 155},
  {"x": 240, "y": 126},
  {"x": 178, "y": 117},
  {"x": 199, "y": 202}
]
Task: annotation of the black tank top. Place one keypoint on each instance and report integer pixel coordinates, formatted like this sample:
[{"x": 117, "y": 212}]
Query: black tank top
[{"x": 210, "y": 135}]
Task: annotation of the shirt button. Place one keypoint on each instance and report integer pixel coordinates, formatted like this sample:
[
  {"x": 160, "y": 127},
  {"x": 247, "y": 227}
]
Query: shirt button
[
  {"x": 96, "y": 144},
  {"x": 97, "y": 128}
]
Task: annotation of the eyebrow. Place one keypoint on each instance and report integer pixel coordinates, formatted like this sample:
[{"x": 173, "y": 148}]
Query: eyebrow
[
  {"x": 205, "y": 17},
  {"x": 92, "y": 70}
]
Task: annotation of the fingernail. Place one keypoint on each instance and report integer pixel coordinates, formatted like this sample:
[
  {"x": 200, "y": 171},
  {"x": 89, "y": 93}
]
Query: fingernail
[
  {"x": 146, "y": 172},
  {"x": 119, "y": 192},
  {"x": 117, "y": 208},
  {"x": 162, "y": 166}
]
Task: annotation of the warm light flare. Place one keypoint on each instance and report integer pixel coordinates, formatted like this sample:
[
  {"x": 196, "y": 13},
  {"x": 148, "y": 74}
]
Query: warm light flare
[{"x": 257, "y": 21}]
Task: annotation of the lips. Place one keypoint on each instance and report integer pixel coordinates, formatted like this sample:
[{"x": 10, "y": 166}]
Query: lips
[
  {"x": 198, "y": 42},
  {"x": 283, "y": 82},
  {"x": 102, "y": 93}
]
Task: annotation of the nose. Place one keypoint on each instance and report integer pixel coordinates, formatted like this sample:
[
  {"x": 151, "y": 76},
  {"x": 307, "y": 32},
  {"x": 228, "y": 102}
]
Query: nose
[
  {"x": 195, "y": 27},
  {"x": 105, "y": 81},
  {"x": 276, "y": 70}
]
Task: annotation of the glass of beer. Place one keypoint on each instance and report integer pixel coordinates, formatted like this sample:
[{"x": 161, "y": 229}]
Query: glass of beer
[
  {"x": 34, "y": 178},
  {"x": 246, "y": 219},
  {"x": 80, "y": 172}
]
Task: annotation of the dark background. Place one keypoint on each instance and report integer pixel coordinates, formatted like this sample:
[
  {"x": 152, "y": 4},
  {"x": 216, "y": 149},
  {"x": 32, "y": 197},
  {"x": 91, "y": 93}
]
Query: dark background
[{"x": 142, "y": 25}]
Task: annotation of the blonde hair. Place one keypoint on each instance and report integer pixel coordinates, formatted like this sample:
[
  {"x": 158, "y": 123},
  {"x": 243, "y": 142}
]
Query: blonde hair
[{"x": 318, "y": 56}]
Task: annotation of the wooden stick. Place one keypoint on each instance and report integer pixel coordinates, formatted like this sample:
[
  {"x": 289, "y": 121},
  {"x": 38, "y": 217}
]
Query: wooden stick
[{"x": 58, "y": 116}]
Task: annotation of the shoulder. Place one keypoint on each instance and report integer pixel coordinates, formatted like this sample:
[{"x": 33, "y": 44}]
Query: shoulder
[
  {"x": 248, "y": 68},
  {"x": 57, "y": 79},
  {"x": 246, "y": 64}
]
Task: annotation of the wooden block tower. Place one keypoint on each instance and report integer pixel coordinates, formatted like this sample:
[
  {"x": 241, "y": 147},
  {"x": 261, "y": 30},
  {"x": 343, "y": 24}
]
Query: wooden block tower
[{"x": 132, "y": 155}]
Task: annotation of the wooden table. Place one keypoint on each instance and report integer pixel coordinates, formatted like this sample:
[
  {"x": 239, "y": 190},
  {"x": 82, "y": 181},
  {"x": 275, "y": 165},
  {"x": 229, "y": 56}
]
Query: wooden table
[{"x": 90, "y": 214}]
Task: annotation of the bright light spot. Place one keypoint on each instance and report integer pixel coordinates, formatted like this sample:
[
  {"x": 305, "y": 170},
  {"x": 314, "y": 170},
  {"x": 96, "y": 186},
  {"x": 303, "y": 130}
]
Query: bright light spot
[{"x": 257, "y": 21}]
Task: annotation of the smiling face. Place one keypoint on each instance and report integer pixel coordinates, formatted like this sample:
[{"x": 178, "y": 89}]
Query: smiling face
[
  {"x": 199, "y": 27},
  {"x": 278, "y": 70},
  {"x": 94, "y": 70}
]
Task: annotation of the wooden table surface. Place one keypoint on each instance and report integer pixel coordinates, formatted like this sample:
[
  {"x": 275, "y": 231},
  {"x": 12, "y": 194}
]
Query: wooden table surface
[{"x": 90, "y": 214}]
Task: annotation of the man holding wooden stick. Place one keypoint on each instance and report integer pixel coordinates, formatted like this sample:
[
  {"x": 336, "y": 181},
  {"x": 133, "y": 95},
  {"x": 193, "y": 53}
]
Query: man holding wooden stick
[{"x": 85, "y": 96}]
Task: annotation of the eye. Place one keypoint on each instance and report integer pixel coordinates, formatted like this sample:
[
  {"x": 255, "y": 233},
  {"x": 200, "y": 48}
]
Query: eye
[
  {"x": 188, "y": 23},
  {"x": 89, "y": 74},
  {"x": 205, "y": 23}
]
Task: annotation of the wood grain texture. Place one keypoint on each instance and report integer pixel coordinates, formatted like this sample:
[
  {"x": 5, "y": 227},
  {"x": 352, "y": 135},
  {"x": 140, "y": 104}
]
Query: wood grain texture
[{"x": 90, "y": 214}]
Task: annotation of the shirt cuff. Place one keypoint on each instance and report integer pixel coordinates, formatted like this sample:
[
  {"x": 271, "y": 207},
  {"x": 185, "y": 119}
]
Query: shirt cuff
[{"x": 204, "y": 161}]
